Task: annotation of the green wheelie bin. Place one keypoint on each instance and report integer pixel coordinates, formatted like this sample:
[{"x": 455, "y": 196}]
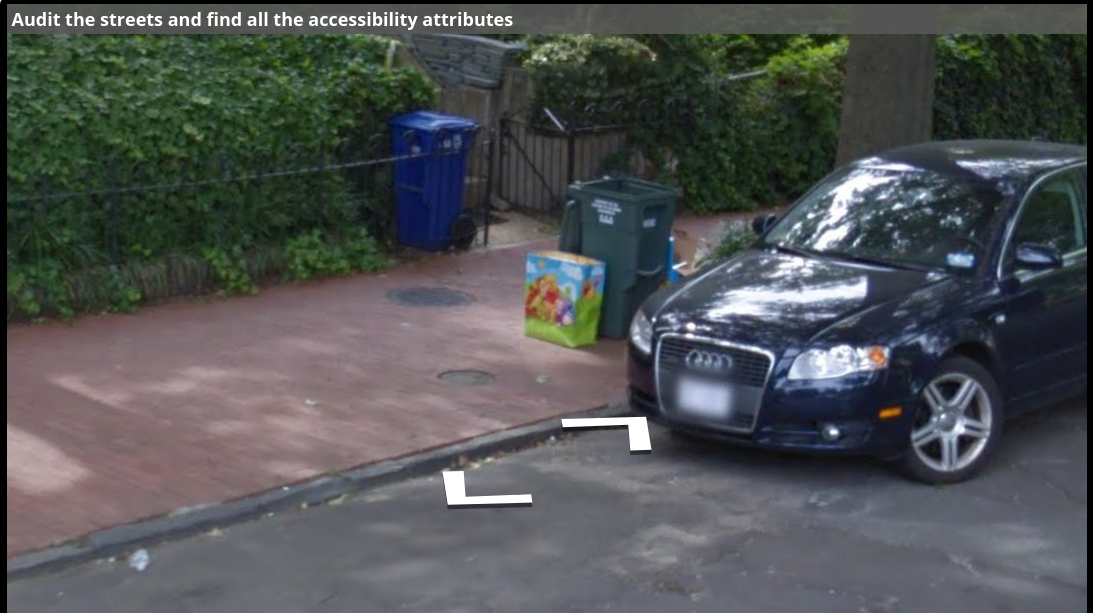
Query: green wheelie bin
[{"x": 626, "y": 223}]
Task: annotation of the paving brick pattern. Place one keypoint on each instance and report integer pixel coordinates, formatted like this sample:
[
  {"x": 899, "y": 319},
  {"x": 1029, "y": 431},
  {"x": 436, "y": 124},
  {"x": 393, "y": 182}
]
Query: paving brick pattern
[{"x": 119, "y": 418}]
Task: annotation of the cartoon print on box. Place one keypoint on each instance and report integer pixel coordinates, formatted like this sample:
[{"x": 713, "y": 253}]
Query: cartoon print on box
[{"x": 563, "y": 298}]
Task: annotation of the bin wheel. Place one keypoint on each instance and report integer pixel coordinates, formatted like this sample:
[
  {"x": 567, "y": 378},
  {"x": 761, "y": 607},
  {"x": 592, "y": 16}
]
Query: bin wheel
[{"x": 463, "y": 232}]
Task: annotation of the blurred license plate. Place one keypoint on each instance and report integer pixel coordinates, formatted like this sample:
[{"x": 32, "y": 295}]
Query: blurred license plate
[{"x": 704, "y": 399}]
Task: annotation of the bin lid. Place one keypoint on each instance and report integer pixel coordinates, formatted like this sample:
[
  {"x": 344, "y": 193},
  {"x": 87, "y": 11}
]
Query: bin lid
[
  {"x": 625, "y": 188},
  {"x": 430, "y": 121}
]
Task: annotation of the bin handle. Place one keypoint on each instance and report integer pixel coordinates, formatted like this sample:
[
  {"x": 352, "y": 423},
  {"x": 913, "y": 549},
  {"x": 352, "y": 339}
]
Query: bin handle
[{"x": 649, "y": 273}]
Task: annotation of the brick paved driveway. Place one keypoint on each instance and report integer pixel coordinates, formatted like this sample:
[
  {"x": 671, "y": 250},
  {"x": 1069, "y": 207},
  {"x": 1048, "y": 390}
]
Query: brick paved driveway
[{"x": 121, "y": 418}]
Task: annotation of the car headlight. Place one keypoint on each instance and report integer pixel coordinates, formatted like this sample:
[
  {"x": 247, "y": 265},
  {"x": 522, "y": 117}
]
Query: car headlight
[
  {"x": 641, "y": 332},
  {"x": 838, "y": 362}
]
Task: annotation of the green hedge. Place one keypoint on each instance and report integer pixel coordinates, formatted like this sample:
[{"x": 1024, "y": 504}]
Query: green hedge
[
  {"x": 753, "y": 142},
  {"x": 580, "y": 78},
  {"x": 87, "y": 114},
  {"x": 1012, "y": 87},
  {"x": 73, "y": 101}
]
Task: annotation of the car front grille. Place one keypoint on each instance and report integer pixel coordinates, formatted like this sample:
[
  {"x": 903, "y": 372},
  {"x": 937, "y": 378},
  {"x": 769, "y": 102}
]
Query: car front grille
[{"x": 748, "y": 377}]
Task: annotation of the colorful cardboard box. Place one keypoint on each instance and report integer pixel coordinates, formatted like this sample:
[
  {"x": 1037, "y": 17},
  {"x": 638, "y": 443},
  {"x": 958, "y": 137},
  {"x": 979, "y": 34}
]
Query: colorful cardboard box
[{"x": 563, "y": 298}]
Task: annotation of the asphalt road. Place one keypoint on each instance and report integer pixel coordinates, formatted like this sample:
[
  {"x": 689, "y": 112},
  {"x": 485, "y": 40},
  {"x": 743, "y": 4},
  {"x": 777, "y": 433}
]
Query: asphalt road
[{"x": 689, "y": 528}]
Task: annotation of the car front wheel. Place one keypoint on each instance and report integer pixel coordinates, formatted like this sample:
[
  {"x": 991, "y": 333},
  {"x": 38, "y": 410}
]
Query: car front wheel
[{"x": 958, "y": 423}]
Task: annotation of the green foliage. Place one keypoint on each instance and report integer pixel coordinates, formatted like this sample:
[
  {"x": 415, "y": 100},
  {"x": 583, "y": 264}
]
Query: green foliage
[
  {"x": 737, "y": 53},
  {"x": 1013, "y": 86},
  {"x": 750, "y": 142},
  {"x": 213, "y": 140},
  {"x": 46, "y": 288},
  {"x": 578, "y": 77},
  {"x": 168, "y": 99},
  {"x": 230, "y": 268},
  {"x": 793, "y": 114},
  {"x": 314, "y": 254},
  {"x": 738, "y": 236},
  {"x": 673, "y": 94},
  {"x": 38, "y": 284}
]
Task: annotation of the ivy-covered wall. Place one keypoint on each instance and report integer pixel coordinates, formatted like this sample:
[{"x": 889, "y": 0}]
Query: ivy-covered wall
[{"x": 240, "y": 121}]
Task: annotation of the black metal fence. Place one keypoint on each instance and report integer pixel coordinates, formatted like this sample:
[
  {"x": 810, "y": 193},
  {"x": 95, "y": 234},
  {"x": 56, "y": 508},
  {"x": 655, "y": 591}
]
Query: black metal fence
[{"x": 109, "y": 212}]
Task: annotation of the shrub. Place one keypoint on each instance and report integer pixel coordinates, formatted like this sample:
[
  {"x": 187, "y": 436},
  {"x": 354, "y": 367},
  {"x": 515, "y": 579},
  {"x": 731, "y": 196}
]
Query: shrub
[
  {"x": 1014, "y": 86},
  {"x": 738, "y": 236},
  {"x": 214, "y": 141},
  {"x": 315, "y": 255},
  {"x": 738, "y": 53},
  {"x": 583, "y": 78},
  {"x": 794, "y": 113},
  {"x": 750, "y": 142}
]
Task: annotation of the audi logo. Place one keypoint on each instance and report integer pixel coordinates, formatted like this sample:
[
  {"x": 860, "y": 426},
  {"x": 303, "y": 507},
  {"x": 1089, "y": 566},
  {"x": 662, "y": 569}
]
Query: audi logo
[{"x": 708, "y": 361}]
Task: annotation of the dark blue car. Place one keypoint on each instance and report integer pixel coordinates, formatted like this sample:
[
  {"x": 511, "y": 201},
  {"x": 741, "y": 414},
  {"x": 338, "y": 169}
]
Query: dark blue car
[{"x": 904, "y": 308}]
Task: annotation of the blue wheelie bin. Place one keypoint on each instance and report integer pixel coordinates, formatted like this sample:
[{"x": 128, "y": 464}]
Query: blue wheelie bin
[{"x": 430, "y": 174}]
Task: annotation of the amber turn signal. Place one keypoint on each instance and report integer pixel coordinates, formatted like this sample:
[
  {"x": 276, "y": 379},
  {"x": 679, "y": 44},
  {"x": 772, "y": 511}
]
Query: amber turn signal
[
  {"x": 878, "y": 356},
  {"x": 891, "y": 413}
]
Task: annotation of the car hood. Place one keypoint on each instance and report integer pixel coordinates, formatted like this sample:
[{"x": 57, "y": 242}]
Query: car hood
[{"x": 776, "y": 300}]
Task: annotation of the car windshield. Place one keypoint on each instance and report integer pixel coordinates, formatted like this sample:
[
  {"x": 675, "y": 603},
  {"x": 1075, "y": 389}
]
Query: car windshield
[{"x": 892, "y": 216}]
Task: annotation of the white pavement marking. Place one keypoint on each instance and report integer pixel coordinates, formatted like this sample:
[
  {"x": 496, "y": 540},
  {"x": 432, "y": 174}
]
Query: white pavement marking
[
  {"x": 637, "y": 426},
  {"x": 456, "y": 490}
]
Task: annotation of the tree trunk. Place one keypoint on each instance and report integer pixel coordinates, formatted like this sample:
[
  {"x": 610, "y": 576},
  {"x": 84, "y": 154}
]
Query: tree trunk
[{"x": 888, "y": 99}]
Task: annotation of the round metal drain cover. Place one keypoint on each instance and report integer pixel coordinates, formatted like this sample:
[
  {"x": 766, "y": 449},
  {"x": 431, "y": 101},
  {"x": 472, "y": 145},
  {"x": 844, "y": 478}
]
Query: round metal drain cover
[
  {"x": 430, "y": 297},
  {"x": 467, "y": 377}
]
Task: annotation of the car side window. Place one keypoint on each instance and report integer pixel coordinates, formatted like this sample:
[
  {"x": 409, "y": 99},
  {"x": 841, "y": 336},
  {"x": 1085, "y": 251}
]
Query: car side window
[
  {"x": 1053, "y": 216},
  {"x": 1085, "y": 203}
]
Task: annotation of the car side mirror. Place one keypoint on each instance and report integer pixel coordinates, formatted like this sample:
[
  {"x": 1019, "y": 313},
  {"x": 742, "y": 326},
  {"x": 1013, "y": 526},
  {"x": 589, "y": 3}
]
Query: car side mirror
[
  {"x": 1038, "y": 257},
  {"x": 763, "y": 223}
]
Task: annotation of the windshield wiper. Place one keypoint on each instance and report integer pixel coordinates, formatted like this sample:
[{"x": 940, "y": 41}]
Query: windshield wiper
[
  {"x": 875, "y": 262},
  {"x": 809, "y": 253},
  {"x": 792, "y": 250}
]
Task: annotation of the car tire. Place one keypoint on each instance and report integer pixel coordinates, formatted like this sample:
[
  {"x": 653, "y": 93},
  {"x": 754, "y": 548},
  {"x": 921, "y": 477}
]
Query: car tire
[{"x": 962, "y": 404}]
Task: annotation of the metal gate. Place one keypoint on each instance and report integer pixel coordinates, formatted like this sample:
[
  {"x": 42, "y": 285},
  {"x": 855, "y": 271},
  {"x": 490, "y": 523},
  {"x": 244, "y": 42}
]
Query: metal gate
[{"x": 536, "y": 163}]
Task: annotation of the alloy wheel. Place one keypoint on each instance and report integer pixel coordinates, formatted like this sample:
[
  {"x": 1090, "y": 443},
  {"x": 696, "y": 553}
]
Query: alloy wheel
[{"x": 953, "y": 425}]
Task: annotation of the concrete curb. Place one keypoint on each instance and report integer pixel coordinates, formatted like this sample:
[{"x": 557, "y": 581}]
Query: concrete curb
[{"x": 195, "y": 520}]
